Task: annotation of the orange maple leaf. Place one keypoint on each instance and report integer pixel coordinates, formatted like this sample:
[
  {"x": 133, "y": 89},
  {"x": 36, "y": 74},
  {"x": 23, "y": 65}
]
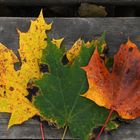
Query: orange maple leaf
[{"x": 120, "y": 89}]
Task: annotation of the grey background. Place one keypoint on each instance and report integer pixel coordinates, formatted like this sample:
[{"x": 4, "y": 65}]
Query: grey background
[{"x": 117, "y": 31}]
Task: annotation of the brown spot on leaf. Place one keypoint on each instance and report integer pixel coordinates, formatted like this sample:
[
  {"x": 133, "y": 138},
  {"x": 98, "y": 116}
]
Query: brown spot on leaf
[
  {"x": 130, "y": 49},
  {"x": 11, "y": 88}
]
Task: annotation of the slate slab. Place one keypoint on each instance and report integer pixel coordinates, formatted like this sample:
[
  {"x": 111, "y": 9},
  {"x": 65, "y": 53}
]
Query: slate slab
[{"x": 117, "y": 31}]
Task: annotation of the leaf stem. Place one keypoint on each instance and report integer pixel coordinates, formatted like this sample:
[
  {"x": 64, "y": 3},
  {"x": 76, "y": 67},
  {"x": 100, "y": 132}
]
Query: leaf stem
[
  {"x": 102, "y": 129},
  {"x": 64, "y": 134},
  {"x": 42, "y": 131}
]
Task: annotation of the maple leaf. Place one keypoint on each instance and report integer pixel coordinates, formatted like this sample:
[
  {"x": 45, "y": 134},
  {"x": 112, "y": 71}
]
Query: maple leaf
[
  {"x": 118, "y": 90},
  {"x": 31, "y": 45},
  {"x": 13, "y": 84},
  {"x": 60, "y": 101},
  {"x": 75, "y": 49}
]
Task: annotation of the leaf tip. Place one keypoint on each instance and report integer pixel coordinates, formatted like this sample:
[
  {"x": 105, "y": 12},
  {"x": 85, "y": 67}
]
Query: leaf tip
[
  {"x": 9, "y": 126},
  {"x": 57, "y": 42},
  {"x": 84, "y": 68},
  {"x": 83, "y": 95},
  {"x": 19, "y": 32},
  {"x": 41, "y": 13},
  {"x": 130, "y": 43}
]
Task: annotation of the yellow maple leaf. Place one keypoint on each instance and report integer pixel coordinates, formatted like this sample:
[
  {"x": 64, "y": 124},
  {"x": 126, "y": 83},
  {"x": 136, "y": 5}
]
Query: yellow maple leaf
[
  {"x": 75, "y": 49},
  {"x": 13, "y": 84}
]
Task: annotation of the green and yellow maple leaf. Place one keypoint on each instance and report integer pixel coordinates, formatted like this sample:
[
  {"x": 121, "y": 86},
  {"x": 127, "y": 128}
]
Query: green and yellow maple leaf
[{"x": 60, "y": 90}]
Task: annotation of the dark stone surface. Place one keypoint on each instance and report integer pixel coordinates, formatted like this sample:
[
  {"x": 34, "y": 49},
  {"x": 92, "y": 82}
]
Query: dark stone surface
[{"x": 117, "y": 31}]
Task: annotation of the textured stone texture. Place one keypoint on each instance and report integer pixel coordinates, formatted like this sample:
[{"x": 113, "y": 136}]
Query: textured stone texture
[{"x": 117, "y": 31}]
